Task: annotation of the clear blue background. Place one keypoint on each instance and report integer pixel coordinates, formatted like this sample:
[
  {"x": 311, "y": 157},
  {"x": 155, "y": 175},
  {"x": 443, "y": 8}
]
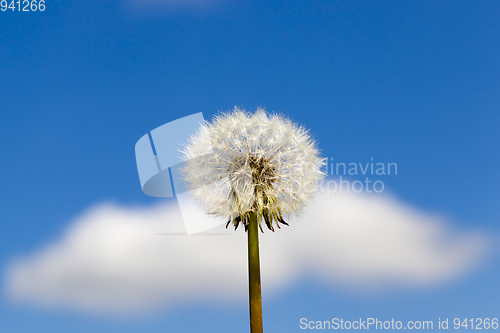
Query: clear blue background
[{"x": 416, "y": 83}]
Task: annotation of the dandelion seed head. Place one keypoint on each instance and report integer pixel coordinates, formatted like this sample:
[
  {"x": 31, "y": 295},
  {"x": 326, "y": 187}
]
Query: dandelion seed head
[{"x": 243, "y": 162}]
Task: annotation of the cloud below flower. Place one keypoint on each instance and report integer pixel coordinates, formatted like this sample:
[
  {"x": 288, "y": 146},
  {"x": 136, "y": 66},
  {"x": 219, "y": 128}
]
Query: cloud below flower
[{"x": 115, "y": 259}]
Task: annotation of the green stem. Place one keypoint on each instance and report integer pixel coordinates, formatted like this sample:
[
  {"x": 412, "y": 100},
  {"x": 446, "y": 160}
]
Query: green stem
[{"x": 254, "y": 276}]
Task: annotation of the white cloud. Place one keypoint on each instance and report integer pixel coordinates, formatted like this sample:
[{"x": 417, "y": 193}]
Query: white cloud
[{"x": 118, "y": 259}]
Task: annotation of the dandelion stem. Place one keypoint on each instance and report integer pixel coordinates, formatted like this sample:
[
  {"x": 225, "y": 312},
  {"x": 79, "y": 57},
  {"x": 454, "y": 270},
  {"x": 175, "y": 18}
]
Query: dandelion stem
[{"x": 254, "y": 276}]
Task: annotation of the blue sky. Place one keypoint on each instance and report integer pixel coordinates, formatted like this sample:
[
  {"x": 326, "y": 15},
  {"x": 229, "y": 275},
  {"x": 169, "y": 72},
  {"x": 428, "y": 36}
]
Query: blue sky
[{"x": 406, "y": 82}]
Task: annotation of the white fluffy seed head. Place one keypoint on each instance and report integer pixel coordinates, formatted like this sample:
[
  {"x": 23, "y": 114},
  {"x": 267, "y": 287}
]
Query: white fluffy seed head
[{"x": 261, "y": 163}]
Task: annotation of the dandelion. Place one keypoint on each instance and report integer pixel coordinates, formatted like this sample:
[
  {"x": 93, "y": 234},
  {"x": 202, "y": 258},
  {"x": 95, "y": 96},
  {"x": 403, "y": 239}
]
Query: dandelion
[{"x": 253, "y": 168}]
